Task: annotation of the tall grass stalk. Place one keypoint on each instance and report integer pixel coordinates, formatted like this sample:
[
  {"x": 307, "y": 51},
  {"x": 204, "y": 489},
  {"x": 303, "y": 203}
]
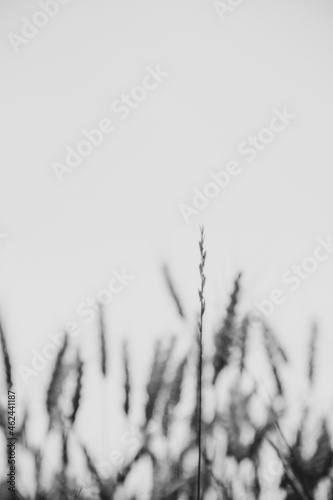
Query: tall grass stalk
[{"x": 200, "y": 332}]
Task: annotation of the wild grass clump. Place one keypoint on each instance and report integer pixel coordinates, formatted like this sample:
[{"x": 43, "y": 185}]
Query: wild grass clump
[{"x": 241, "y": 449}]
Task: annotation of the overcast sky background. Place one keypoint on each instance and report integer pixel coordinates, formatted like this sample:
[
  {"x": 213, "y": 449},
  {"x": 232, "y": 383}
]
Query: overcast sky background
[{"x": 120, "y": 208}]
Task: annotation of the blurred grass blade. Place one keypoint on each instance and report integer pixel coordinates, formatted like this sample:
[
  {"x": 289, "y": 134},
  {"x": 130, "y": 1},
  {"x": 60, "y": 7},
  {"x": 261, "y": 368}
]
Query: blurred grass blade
[
  {"x": 172, "y": 291},
  {"x": 6, "y": 360}
]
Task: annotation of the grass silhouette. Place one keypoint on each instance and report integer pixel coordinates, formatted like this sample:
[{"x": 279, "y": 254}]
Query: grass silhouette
[{"x": 226, "y": 453}]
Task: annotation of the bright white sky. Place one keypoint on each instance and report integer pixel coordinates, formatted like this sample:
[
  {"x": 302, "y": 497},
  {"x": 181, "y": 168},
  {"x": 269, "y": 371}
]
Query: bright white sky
[{"x": 120, "y": 208}]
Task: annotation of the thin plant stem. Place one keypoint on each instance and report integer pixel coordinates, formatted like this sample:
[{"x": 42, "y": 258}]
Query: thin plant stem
[{"x": 200, "y": 329}]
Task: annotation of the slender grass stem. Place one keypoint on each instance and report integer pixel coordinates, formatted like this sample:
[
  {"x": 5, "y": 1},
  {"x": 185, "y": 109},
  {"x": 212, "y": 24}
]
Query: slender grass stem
[{"x": 200, "y": 333}]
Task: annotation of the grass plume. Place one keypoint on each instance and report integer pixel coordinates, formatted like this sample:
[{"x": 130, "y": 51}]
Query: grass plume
[
  {"x": 172, "y": 291},
  {"x": 55, "y": 386},
  {"x": 6, "y": 359},
  {"x": 78, "y": 390},
  {"x": 102, "y": 337},
  {"x": 312, "y": 353},
  {"x": 225, "y": 337},
  {"x": 127, "y": 385}
]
